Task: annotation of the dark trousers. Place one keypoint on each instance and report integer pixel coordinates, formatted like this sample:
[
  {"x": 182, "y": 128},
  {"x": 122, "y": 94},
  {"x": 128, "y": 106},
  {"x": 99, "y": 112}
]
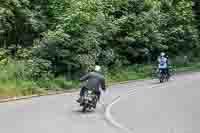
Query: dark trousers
[{"x": 165, "y": 71}]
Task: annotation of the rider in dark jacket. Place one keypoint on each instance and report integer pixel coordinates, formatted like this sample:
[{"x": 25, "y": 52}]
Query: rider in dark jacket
[{"x": 95, "y": 80}]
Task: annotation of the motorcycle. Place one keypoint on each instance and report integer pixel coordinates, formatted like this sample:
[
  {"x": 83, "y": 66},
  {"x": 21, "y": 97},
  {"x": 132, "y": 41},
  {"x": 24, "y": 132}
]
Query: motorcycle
[
  {"x": 89, "y": 101},
  {"x": 163, "y": 76},
  {"x": 156, "y": 73}
]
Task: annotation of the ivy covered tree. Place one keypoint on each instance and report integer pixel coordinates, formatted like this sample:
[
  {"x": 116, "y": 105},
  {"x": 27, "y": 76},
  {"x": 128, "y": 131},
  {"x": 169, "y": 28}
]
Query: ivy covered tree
[
  {"x": 196, "y": 9},
  {"x": 113, "y": 33},
  {"x": 21, "y": 21}
]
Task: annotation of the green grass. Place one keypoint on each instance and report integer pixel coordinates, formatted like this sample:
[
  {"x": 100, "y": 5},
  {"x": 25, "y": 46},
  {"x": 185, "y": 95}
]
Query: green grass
[
  {"x": 129, "y": 73},
  {"x": 11, "y": 86},
  {"x": 189, "y": 67}
]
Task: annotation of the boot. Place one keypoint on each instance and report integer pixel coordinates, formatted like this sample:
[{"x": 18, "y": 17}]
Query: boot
[{"x": 80, "y": 100}]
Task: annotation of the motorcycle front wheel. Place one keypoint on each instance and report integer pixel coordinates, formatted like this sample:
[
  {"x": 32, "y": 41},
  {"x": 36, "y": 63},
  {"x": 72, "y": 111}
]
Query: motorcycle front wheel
[
  {"x": 161, "y": 78},
  {"x": 84, "y": 108}
]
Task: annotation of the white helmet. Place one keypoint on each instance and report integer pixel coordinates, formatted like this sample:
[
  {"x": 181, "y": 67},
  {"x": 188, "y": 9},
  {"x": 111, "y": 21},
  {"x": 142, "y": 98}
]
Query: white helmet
[
  {"x": 162, "y": 54},
  {"x": 97, "y": 68}
]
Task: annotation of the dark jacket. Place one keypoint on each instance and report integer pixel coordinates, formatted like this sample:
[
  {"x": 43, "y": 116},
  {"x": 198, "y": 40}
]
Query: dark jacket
[{"x": 95, "y": 80}]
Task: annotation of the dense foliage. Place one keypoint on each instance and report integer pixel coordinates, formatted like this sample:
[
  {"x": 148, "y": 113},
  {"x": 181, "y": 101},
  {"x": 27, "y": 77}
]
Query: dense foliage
[
  {"x": 196, "y": 9},
  {"x": 61, "y": 36}
]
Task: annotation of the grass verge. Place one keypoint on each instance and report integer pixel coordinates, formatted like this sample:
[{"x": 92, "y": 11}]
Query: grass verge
[{"x": 10, "y": 86}]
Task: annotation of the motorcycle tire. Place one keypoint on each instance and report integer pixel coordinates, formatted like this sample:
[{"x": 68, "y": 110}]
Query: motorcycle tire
[
  {"x": 84, "y": 108},
  {"x": 161, "y": 79}
]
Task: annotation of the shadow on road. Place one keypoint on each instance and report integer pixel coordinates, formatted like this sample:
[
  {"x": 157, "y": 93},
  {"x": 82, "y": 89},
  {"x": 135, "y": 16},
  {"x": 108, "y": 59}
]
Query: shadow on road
[{"x": 79, "y": 111}]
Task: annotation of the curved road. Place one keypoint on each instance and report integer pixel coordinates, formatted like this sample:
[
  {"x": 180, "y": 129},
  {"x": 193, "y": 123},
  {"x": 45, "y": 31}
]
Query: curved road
[{"x": 144, "y": 107}]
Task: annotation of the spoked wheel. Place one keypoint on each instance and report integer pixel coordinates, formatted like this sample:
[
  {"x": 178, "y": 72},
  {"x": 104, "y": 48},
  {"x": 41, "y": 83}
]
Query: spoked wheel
[
  {"x": 161, "y": 78},
  {"x": 84, "y": 109},
  {"x": 95, "y": 102}
]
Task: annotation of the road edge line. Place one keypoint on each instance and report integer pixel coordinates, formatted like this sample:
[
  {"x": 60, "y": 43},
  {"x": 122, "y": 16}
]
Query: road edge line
[{"x": 109, "y": 117}]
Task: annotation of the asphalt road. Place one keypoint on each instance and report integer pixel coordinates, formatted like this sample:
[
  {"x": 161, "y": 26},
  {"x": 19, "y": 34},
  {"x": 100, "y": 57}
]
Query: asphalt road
[
  {"x": 171, "y": 107},
  {"x": 168, "y": 108}
]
